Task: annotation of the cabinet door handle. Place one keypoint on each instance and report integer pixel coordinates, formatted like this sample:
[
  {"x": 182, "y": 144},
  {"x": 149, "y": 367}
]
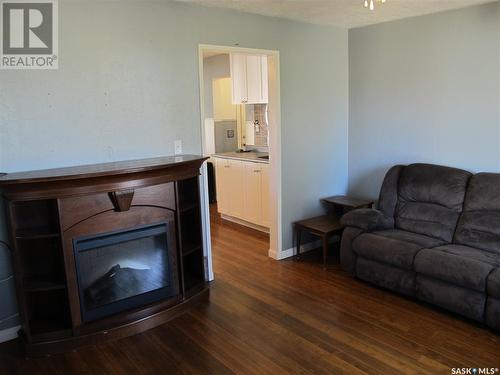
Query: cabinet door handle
[
  {"x": 256, "y": 170},
  {"x": 227, "y": 166}
]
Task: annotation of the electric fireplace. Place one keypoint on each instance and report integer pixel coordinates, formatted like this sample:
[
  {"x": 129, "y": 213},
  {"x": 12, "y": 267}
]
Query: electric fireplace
[
  {"x": 104, "y": 251},
  {"x": 124, "y": 269}
]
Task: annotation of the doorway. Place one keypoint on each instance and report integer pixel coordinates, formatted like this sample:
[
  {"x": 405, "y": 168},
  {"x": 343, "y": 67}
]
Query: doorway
[{"x": 235, "y": 134}]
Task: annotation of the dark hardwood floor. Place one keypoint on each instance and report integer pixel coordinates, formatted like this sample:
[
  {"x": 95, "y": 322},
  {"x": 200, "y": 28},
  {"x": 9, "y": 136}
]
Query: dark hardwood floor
[{"x": 268, "y": 317}]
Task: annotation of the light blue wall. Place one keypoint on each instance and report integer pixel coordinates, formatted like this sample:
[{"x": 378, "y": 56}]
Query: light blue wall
[
  {"x": 127, "y": 87},
  {"x": 425, "y": 89}
]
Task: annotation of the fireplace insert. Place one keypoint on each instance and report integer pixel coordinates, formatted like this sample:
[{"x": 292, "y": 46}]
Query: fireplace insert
[{"x": 121, "y": 270}]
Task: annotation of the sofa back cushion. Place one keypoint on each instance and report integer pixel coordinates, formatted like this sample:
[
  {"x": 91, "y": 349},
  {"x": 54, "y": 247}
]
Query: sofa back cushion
[
  {"x": 430, "y": 199},
  {"x": 479, "y": 224},
  {"x": 388, "y": 198}
]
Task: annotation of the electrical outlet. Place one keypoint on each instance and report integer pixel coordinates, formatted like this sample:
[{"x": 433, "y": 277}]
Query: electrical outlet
[{"x": 177, "y": 147}]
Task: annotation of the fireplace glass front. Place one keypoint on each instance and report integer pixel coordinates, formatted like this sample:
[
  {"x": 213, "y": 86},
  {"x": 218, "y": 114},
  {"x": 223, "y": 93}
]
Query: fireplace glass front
[{"x": 122, "y": 270}]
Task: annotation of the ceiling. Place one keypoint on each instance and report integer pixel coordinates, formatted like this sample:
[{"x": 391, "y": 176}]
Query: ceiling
[{"x": 340, "y": 13}]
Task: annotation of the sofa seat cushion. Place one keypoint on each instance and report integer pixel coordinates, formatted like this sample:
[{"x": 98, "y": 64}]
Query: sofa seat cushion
[
  {"x": 494, "y": 284},
  {"x": 463, "y": 301},
  {"x": 386, "y": 276},
  {"x": 457, "y": 264},
  {"x": 394, "y": 247}
]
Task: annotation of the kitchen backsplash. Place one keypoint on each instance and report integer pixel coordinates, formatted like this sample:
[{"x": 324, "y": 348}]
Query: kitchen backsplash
[{"x": 257, "y": 118}]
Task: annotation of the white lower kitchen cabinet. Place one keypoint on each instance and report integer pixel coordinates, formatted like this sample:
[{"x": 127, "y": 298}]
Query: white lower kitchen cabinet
[
  {"x": 243, "y": 190},
  {"x": 252, "y": 195},
  {"x": 230, "y": 173},
  {"x": 221, "y": 175},
  {"x": 265, "y": 198}
]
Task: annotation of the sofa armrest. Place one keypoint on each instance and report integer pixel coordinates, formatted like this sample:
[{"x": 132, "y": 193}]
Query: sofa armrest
[{"x": 367, "y": 219}]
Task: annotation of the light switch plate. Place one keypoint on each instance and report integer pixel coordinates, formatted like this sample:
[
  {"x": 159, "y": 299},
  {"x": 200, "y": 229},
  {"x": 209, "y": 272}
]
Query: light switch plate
[{"x": 177, "y": 147}]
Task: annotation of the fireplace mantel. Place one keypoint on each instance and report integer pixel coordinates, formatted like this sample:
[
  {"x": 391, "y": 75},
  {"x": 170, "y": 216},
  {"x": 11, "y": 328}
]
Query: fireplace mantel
[
  {"x": 59, "y": 182},
  {"x": 48, "y": 211}
]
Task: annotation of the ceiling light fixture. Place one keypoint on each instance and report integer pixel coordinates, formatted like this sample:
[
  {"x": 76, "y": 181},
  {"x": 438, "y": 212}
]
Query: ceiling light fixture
[{"x": 371, "y": 3}]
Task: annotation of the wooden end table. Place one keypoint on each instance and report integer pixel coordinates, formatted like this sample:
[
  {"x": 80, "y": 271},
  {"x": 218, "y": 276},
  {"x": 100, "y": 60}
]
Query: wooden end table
[{"x": 326, "y": 226}]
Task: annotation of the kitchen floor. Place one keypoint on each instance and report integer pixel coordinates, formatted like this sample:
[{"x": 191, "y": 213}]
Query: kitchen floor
[{"x": 218, "y": 224}]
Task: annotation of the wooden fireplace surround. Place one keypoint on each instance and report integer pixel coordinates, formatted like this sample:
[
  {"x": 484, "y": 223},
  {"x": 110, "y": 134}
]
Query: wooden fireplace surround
[{"x": 46, "y": 209}]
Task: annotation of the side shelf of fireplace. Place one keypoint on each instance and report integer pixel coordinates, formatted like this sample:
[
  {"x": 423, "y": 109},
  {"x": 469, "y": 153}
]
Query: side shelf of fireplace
[
  {"x": 42, "y": 290},
  {"x": 190, "y": 236}
]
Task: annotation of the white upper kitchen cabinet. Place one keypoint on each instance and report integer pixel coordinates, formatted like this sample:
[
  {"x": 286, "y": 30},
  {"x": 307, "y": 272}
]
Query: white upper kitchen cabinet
[
  {"x": 249, "y": 79},
  {"x": 238, "y": 66}
]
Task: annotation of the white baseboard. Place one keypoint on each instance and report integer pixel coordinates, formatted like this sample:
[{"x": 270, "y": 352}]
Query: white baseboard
[
  {"x": 291, "y": 251},
  {"x": 9, "y": 333},
  {"x": 245, "y": 223}
]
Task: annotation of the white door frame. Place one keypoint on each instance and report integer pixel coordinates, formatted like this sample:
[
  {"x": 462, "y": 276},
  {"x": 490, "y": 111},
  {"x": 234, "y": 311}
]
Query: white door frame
[{"x": 274, "y": 151}]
